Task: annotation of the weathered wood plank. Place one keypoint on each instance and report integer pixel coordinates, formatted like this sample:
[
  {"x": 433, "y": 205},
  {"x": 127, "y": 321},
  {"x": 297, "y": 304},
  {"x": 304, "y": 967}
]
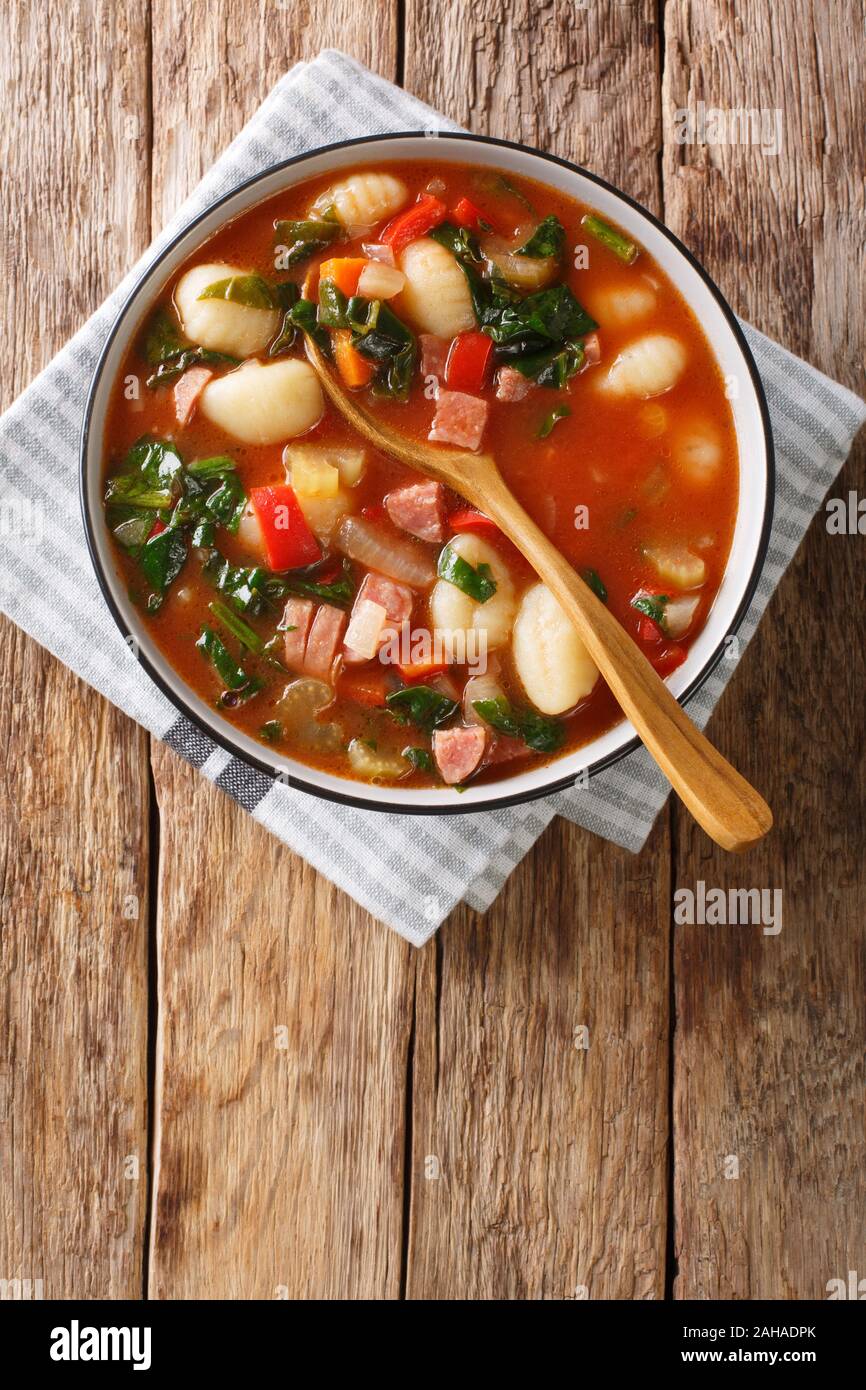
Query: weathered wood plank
[
  {"x": 551, "y": 1159},
  {"x": 770, "y": 1029},
  {"x": 280, "y": 1154},
  {"x": 73, "y": 836}
]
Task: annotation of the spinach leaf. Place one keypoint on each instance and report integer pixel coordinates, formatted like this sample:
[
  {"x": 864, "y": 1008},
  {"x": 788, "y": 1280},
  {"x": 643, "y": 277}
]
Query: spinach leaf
[
  {"x": 174, "y": 367},
  {"x": 227, "y": 502},
  {"x": 162, "y": 558},
  {"x": 530, "y": 325},
  {"x": 287, "y": 294},
  {"x": 379, "y": 335},
  {"x": 332, "y": 305},
  {"x": 253, "y": 291},
  {"x": 245, "y": 588},
  {"x": 340, "y": 592},
  {"x": 131, "y": 491},
  {"x": 130, "y": 526},
  {"x": 236, "y": 626},
  {"x": 462, "y": 243},
  {"x": 593, "y": 579},
  {"x": 652, "y": 605},
  {"x": 230, "y": 673},
  {"x": 559, "y": 412},
  {"x": 420, "y": 758},
  {"x": 163, "y": 339},
  {"x": 150, "y": 476},
  {"x": 539, "y": 733},
  {"x": 548, "y": 239},
  {"x": 272, "y": 731},
  {"x": 554, "y": 367},
  {"x": 303, "y": 315},
  {"x": 211, "y": 467},
  {"x": 420, "y": 705},
  {"x": 477, "y": 583},
  {"x": 304, "y": 238}
]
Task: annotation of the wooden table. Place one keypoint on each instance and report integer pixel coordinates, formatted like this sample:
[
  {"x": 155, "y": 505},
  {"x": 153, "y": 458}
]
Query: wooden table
[{"x": 220, "y": 1078}]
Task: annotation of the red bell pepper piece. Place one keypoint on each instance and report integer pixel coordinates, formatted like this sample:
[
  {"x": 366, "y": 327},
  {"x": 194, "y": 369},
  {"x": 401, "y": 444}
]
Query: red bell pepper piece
[
  {"x": 417, "y": 221},
  {"x": 468, "y": 362},
  {"x": 669, "y": 658},
  {"x": 289, "y": 542},
  {"x": 156, "y": 529},
  {"x": 467, "y": 519},
  {"x": 364, "y": 687},
  {"x": 467, "y": 215},
  {"x": 648, "y": 630}
]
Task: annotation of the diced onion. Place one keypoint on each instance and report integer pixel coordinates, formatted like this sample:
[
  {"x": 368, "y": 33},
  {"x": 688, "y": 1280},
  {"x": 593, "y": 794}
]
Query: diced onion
[
  {"x": 371, "y": 545},
  {"x": 371, "y": 765},
  {"x": 365, "y": 628},
  {"x": 379, "y": 281}
]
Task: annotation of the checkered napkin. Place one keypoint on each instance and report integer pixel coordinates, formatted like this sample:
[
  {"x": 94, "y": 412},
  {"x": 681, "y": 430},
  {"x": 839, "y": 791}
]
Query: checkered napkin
[{"x": 408, "y": 871}]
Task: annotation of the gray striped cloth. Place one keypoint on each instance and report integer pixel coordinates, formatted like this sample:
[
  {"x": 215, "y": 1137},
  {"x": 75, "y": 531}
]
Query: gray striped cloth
[{"x": 409, "y": 872}]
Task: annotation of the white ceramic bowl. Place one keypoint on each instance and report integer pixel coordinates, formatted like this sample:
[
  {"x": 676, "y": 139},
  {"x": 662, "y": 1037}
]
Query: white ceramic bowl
[{"x": 751, "y": 420}]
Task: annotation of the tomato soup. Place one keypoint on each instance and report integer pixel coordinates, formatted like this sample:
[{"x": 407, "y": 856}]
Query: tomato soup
[{"x": 346, "y": 611}]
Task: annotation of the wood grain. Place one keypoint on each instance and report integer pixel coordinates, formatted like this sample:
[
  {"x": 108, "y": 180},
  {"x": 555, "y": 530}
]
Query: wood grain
[
  {"x": 279, "y": 1157},
  {"x": 551, "y": 1157},
  {"x": 770, "y": 1029},
  {"x": 73, "y": 835}
]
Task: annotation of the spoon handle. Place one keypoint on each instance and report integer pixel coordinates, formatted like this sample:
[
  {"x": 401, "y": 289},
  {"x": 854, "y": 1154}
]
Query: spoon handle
[{"x": 719, "y": 798}]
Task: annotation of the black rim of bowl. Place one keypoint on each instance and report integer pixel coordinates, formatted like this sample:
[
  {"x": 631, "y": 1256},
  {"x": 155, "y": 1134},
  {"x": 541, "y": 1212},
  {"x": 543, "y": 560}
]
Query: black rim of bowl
[{"x": 293, "y": 779}]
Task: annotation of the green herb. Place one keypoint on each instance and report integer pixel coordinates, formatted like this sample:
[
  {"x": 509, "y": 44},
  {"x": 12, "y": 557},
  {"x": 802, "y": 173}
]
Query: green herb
[
  {"x": 541, "y": 734},
  {"x": 272, "y": 731},
  {"x": 555, "y": 367},
  {"x": 620, "y": 245},
  {"x": 304, "y": 582},
  {"x": 420, "y": 758},
  {"x": 592, "y": 578},
  {"x": 162, "y": 558},
  {"x": 559, "y": 412},
  {"x": 547, "y": 240},
  {"x": 203, "y": 535},
  {"x": 420, "y": 705},
  {"x": 169, "y": 371},
  {"x": 304, "y": 238},
  {"x": 253, "y": 291},
  {"x": 652, "y": 605},
  {"x": 477, "y": 583},
  {"x": 233, "y": 676},
  {"x": 236, "y": 626}
]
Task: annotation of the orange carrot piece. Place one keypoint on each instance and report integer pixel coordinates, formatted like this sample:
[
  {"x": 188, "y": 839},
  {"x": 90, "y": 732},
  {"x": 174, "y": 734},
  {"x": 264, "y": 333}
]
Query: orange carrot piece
[
  {"x": 353, "y": 368},
  {"x": 344, "y": 272}
]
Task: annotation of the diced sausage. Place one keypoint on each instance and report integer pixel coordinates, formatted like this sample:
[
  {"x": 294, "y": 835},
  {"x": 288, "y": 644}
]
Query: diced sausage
[
  {"x": 323, "y": 641},
  {"x": 459, "y": 419},
  {"x": 458, "y": 752},
  {"x": 592, "y": 349},
  {"x": 512, "y": 385},
  {"x": 396, "y": 599},
  {"x": 187, "y": 391},
  {"x": 434, "y": 354},
  {"x": 504, "y": 749},
  {"x": 419, "y": 509},
  {"x": 297, "y": 616}
]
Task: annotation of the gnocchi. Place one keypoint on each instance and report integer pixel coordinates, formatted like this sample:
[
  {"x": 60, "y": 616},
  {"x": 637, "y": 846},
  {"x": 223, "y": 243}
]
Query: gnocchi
[
  {"x": 647, "y": 367},
  {"x": 220, "y": 324},
  {"x": 363, "y": 199},
  {"x": 436, "y": 296},
  {"x": 553, "y": 665},
  {"x": 615, "y": 306},
  {"x": 697, "y": 449},
  {"x": 264, "y": 404},
  {"x": 455, "y": 614}
]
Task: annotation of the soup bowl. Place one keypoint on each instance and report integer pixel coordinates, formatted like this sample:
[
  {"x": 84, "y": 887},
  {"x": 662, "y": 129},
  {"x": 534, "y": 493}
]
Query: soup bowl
[{"x": 726, "y": 341}]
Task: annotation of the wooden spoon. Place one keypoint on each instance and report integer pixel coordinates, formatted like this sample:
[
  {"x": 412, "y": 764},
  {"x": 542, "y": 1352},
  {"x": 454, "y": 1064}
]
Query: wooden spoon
[{"x": 723, "y": 802}]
